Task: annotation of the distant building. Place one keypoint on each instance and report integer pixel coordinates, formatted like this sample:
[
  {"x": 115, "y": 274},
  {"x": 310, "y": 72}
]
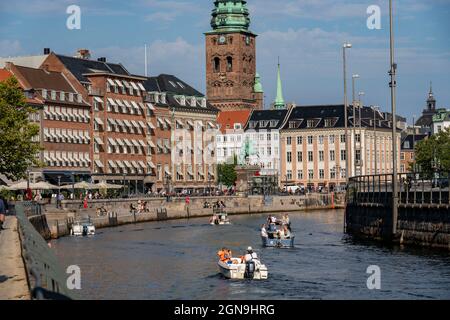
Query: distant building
[
  {"x": 426, "y": 120},
  {"x": 313, "y": 146},
  {"x": 441, "y": 121},
  {"x": 407, "y": 153},
  {"x": 231, "y": 136},
  {"x": 263, "y": 133}
]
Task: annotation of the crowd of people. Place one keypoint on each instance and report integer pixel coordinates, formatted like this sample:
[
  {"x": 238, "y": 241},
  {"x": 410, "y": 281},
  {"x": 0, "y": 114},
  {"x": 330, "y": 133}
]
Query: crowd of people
[{"x": 270, "y": 230}]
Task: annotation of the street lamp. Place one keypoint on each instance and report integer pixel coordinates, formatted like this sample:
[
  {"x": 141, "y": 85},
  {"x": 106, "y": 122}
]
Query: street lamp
[
  {"x": 344, "y": 47},
  {"x": 360, "y": 105},
  {"x": 375, "y": 110},
  {"x": 58, "y": 204},
  {"x": 393, "y": 85}
]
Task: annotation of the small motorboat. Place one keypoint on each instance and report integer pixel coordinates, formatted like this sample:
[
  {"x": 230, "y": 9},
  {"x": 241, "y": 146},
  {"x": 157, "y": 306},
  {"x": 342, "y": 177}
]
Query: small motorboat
[
  {"x": 219, "y": 219},
  {"x": 274, "y": 240},
  {"x": 240, "y": 270},
  {"x": 82, "y": 229}
]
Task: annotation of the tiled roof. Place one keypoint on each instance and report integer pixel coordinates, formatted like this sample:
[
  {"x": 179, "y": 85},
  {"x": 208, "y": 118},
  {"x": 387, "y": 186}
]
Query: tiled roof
[
  {"x": 41, "y": 79},
  {"x": 227, "y": 119},
  {"x": 408, "y": 141},
  {"x": 78, "y": 67},
  {"x": 4, "y": 74},
  {"x": 276, "y": 116}
]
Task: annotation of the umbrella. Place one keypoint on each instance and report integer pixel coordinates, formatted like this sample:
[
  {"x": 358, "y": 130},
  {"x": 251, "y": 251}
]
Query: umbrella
[
  {"x": 103, "y": 185},
  {"x": 21, "y": 185},
  {"x": 79, "y": 185},
  {"x": 43, "y": 186},
  {"x": 4, "y": 188}
]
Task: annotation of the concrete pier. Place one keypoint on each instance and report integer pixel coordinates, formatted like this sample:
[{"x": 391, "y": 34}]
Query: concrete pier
[{"x": 13, "y": 280}]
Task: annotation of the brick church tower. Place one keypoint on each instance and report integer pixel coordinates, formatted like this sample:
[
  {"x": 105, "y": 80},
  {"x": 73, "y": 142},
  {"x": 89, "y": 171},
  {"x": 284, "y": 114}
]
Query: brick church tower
[{"x": 231, "y": 79}]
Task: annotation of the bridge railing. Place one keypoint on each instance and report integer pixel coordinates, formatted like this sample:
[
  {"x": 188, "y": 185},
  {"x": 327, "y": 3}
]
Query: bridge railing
[
  {"x": 413, "y": 189},
  {"x": 45, "y": 276}
]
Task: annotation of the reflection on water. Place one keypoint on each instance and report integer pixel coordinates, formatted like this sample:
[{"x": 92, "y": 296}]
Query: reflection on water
[{"x": 177, "y": 260}]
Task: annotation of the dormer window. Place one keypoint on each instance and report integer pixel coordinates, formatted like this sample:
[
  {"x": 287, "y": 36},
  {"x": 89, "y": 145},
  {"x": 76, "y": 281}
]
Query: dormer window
[
  {"x": 312, "y": 123},
  {"x": 181, "y": 85},
  {"x": 183, "y": 100},
  {"x": 273, "y": 123},
  {"x": 163, "y": 98},
  {"x": 53, "y": 95},
  {"x": 156, "y": 98},
  {"x": 80, "y": 98},
  {"x": 252, "y": 124},
  {"x": 331, "y": 122},
  {"x": 193, "y": 101},
  {"x": 203, "y": 103},
  {"x": 263, "y": 123},
  {"x": 44, "y": 93},
  {"x": 406, "y": 145},
  {"x": 62, "y": 96},
  {"x": 71, "y": 97},
  {"x": 237, "y": 126}
]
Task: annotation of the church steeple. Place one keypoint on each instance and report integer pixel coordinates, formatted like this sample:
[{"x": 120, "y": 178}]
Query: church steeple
[
  {"x": 230, "y": 16},
  {"x": 279, "y": 100},
  {"x": 431, "y": 101}
]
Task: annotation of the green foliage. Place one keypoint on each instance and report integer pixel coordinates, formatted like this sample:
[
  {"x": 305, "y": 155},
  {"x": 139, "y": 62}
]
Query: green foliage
[
  {"x": 434, "y": 153},
  {"x": 17, "y": 150},
  {"x": 227, "y": 173}
]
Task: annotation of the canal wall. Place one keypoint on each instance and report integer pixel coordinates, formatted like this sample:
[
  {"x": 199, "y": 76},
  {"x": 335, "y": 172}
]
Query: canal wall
[
  {"x": 119, "y": 212},
  {"x": 421, "y": 225}
]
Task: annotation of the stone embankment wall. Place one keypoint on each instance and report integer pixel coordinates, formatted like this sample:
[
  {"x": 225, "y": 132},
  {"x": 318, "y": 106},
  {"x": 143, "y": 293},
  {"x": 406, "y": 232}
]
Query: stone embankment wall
[
  {"x": 59, "y": 221},
  {"x": 421, "y": 225}
]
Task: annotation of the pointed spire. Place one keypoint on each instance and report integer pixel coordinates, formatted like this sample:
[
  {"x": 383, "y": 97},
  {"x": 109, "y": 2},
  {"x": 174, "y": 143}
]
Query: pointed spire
[
  {"x": 431, "y": 88},
  {"x": 279, "y": 101}
]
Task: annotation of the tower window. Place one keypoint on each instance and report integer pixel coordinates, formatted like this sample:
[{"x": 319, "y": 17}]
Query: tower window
[
  {"x": 229, "y": 64},
  {"x": 216, "y": 64}
]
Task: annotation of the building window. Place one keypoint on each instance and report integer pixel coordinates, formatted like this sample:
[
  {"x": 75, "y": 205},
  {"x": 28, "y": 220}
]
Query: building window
[
  {"x": 229, "y": 64},
  {"x": 343, "y": 155},
  {"x": 289, "y": 175},
  {"x": 332, "y": 174},
  {"x": 320, "y": 139},
  {"x": 310, "y": 139},
  {"x": 343, "y": 138},
  {"x": 358, "y": 155},
  {"x": 331, "y": 139},
  {"x": 269, "y": 151},
  {"x": 358, "y": 138},
  {"x": 216, "y": 65},
  {"x": 299, "y": 156},
  {"x": 402, "y": 156},
  {"x": 310, "y": 156},
  {"x": 321, "y": 174},
  {"x": 310, "y": 174},
  {"x": 289, "y": 141},
  {"x": 299, "y": 174},
  {"x": 321, "y": 156},
  {"x": 332, "y": 155},
  {"x": 299, "y": 140},
  {"x": 289, "y": 157}
]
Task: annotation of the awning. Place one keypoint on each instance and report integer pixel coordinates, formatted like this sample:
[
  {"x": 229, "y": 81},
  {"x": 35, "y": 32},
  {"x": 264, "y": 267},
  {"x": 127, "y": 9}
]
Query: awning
[
  {"x": 99, "y": 140},
  {"x": 120, "y": 142},
  {"x": 121, "y": 164},
  {"x": 151, "y": 125},
  {"x": 168, "y": 121},
  {"x": 168, "y": 172},
  {"x": 112, "y": 121},
  {"x": 142, "y": 106},
  {"x": 135, "y": 105},
  {"x": 211, "y": 125},
  {"x": 119, "y": 83},
  {"x": 111, "y": 82},
  {"x": 189, "y": 171},
  {"x": 151, "y": 144},
  {"x": 112, "y": 102},
  {"x": 134, "y": 86},
  {"x": 120, "y": 103},
  {"x": 150, "y": 106},
  {"x": 142, "y": 143},
  {"x": 160, "y": 121},
  {"x": 136, "y": 143},
  {"x": 190, "y": 123},
  {"x": 141, "y": 86},
  {"x": 127, "y": 164},
  {"x": 151, "y": 165},
  {"x": 126, "y": 83},
  {"x": 99, "y": 164},
  {"x": 119, "y": 122},
  {"x": 180, "y": 172},
  {"x": 127, "y": 104},
  {"x": 127, "y": 142},
  {"x": 99, "y": 100},
  {"x": 127, "y": 123},
  {"x": 112, "y": 141},
  {"x": 99, "y": 122},
  {"x": 135, "y": 164},
  {"x": 142, "y": 164},
  {"x": 200, "y": 123},
  {"x": 142, "y": 124},
  {"x": 180, "y": 123},
  {"x": 112, "y": 164},
  {"x": 135, "y": 124}
]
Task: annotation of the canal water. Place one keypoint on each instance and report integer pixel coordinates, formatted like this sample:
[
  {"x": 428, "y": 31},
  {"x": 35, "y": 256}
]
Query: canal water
[{"x": 177, "y": 260}]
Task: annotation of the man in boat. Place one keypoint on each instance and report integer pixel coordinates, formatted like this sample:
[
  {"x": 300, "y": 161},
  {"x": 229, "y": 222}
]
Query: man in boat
[
  {"x": 286, "y": 232},
  {"x": 264, "y": 231},
  {"x": 251, "y": 260},
  {"x": 222, "y": 254}
]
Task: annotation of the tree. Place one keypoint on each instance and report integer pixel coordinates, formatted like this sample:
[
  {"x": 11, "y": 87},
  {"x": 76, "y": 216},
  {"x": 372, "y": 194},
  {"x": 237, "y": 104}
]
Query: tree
[
  {"x": 434, "y": 153},
  {"x": 17, "y": 150},
  {"x": 227, "y": 173}
]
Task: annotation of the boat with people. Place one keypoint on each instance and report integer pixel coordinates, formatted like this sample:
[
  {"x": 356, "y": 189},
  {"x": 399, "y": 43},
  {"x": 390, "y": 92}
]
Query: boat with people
[
  {"x": 246, "y": 267},
  {"x": 277, "y": 233},
  {"x": 220, "y": 217},
  {"x": 82, "y": 229}
]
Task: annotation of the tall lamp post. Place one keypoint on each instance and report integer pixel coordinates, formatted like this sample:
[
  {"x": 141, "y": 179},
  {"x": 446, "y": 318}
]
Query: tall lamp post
[
  {"x": 344, "y": 47},
  {"x": 393, "y": 85},
  {"x": 375, "y": 110},
  {"x": 360, "y": 106},
  {"x": 354, "y": 77}
]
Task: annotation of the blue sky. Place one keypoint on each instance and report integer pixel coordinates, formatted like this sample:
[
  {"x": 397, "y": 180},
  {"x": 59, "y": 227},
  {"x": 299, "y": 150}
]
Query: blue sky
[{"x": 306, "y": 34}]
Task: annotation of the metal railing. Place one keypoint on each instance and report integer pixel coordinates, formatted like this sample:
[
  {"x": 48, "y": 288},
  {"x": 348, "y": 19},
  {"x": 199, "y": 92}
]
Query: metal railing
[
  {"x": 46, "y": 278},
  {"x": 414, "y": 189}
]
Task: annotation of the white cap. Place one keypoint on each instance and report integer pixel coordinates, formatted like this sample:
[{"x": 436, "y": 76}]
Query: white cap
[{"x": 249, "y": 249}]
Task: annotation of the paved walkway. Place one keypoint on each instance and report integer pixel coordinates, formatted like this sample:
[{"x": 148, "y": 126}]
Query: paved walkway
[{"x": 13, "y": 281}]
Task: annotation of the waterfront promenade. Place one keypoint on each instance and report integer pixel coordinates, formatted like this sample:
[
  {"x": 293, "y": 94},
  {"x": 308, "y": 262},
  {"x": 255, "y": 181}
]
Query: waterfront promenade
[{"x": 13, "y": 280}]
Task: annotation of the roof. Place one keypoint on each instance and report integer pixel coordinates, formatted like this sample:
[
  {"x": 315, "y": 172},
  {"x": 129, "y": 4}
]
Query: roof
[
  {"x": 5, "y": 74},
  {"x": 277, "y": 116},
  {"x": 426, "y": 120},
  {"x": 172, "y": 84},
  {"x": 299, "y": 116},
  {"x": 227, "y": 119},
  {"x": 29, "y": 61},
  {"x": 78, "y": 67},
  {"x": 42, "y": 79},
  {"x": 408, "y": 141}
]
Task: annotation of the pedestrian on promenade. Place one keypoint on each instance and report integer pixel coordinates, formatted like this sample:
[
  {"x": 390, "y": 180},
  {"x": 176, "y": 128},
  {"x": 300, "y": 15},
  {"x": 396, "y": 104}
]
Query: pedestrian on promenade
[{"x": 2, "y": 213}]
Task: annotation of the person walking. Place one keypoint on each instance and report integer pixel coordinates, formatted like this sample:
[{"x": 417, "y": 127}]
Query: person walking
[{"x": 2, "y": 213}]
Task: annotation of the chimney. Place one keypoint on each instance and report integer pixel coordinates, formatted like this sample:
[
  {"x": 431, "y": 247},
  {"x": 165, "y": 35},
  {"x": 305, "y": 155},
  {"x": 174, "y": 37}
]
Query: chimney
[
  {"x": 46, "y": 51},
  {"x": 102, "y": 59},
  {"x": 83, "y": 54}
]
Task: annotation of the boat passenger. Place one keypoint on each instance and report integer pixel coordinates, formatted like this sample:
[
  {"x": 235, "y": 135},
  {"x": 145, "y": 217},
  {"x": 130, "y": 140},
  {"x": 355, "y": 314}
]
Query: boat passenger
[
  {"x": 286, "y": 232},
  {"x": 250, "y": 255},
  {"x": 222, "y": 254},
  {"x": 264, "y": 231}
]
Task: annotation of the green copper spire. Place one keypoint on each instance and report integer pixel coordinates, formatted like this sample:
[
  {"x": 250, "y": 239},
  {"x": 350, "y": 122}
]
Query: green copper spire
[
  {"x": 258, "y": 86},
  {"x": 230, "y": 16},
  {"x": 279, "y": 101}
]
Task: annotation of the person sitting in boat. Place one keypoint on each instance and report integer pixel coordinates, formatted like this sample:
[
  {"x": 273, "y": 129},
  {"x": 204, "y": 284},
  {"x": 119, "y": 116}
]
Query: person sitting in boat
[
  {"x": 264, "y": 231},
  {"x": 286, "y": 232},
  {"x": 222, "y": 254},
  {"x": 286, "y": 221}
]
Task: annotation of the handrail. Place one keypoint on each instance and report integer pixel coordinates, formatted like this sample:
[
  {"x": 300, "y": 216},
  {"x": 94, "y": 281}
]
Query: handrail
[{"x": 45, "y": 276}]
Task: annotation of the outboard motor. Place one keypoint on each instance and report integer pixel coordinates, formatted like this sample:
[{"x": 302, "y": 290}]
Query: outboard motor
[{"x": 250, "y": 270}]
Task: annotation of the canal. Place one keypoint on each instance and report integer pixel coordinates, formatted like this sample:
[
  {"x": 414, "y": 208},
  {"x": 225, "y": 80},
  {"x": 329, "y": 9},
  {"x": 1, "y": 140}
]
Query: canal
[{"x": 177, "y": 260}]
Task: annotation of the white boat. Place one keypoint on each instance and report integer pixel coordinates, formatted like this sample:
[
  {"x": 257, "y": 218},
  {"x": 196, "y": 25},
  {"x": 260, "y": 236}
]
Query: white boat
[
  {"x": 80, "y": 230},
  {"x": 220, "y": 219},
  {"x": 241, "y": 270}
]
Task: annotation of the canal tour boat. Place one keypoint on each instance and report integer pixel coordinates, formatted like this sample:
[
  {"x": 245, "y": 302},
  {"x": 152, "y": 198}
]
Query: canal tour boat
[
  {"x": 82, "y": 229},
  {"x": 241, "y": 270},
  {"x": 219, "y": 218}
]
